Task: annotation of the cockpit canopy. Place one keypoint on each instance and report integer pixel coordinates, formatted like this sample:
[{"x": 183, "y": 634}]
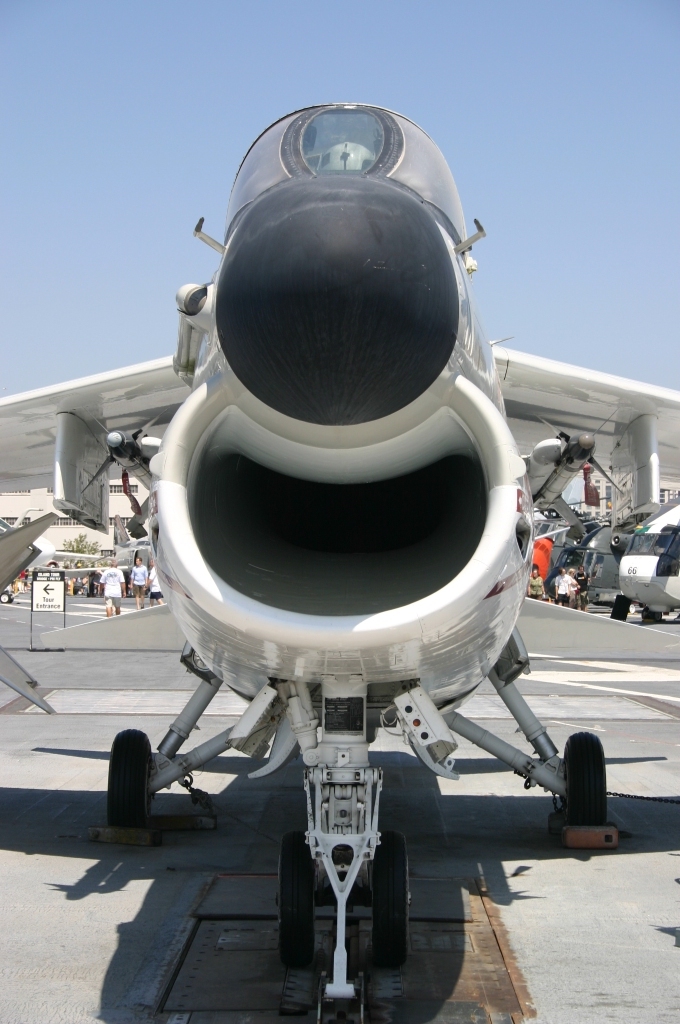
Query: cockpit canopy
[{"x": 341, "y": 139}]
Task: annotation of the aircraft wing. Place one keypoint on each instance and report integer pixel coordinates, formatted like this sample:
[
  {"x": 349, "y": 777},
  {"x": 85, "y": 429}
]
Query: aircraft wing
[
  {"x": 143, "y": 395},
  {"x": 17, "y": 547},
  {"x": 543, "y": 395}
]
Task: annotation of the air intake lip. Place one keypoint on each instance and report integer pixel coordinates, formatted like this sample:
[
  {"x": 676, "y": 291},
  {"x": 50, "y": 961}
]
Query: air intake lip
[{"x": 337, "y": 301}]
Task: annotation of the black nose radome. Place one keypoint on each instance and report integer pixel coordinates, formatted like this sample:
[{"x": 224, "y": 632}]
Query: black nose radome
[{"x": 337, "y": 301}]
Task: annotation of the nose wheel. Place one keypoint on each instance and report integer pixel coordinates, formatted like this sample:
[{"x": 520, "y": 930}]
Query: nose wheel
[
  {"x": 128, "y": 800},
  {"x": 390, "y": 901},
  {"x": 296, "y": 901}
]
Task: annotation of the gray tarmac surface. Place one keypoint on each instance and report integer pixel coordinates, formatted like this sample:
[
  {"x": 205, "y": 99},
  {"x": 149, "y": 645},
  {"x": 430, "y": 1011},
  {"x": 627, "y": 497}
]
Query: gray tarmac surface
[{"x": 89, "y": 931}]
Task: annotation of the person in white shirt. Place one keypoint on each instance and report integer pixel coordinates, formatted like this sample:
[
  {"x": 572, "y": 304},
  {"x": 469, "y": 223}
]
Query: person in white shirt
[
  {"x": 563, "y": 587},
  {"x": 138, "y": 578},
  {"x": 112, "y": 582},
  {"x": 155, "y": 595}
]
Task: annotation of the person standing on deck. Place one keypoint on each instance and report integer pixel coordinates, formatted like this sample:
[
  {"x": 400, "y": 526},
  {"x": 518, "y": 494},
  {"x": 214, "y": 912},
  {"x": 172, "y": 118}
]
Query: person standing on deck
[
  {"x": 155, "y": 594},
  {"x": 536, "y": 587},
  {"x": 113, "y": 584},
  {"x": 138, "y": 578}
]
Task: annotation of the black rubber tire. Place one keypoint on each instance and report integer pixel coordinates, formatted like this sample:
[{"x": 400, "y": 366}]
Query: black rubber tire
[
  {"x": 128, "y": 801},
  {"x": 296, "y": 901},
  {"x": 390, "y": 901},
  {"x": 5, "y": 598},
  {"x": 586, "y": 777},
  {"x": 621, "y": 608}
]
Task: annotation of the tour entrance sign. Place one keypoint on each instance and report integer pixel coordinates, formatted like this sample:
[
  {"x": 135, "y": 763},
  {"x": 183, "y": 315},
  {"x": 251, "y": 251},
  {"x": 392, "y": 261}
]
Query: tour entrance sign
[{"x": 48, "y": 593}]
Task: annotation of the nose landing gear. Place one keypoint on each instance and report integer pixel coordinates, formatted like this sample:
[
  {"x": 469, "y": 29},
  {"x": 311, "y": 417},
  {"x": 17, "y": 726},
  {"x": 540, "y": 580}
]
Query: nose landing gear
[
  {"x": 336, "y": 854},
  {"x": 390, "y": 901}
]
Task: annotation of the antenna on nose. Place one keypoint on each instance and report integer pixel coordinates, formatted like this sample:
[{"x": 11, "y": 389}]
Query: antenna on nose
[
  {"x": 468, "y": 242},
  {"x": 212, "y": 242}
]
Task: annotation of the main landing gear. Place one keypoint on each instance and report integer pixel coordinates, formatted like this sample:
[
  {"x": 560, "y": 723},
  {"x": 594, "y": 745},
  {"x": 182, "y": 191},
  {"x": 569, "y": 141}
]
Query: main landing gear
[
  {"x": 586, "y": 779},
  {"x": 128, "y": 799},
  {"x": 342, "y": 859}
]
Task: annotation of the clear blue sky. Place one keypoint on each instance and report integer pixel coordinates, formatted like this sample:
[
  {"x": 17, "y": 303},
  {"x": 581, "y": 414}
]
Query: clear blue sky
[{"x": 123, "y": 123}]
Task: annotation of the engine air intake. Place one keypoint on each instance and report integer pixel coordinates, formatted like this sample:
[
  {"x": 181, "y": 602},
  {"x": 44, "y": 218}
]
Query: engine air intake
[{"x": 336, "y": 549}]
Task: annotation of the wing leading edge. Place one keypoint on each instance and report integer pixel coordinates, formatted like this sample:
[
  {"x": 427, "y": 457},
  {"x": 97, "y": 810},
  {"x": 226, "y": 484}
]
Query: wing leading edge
[
  {"x": 543, "y": 395},
  {"x": 124, "y": 399}
]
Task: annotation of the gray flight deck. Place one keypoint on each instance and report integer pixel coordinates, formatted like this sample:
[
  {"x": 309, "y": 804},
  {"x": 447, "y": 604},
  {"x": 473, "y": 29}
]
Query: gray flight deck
[{"x": 505, "y": 923}]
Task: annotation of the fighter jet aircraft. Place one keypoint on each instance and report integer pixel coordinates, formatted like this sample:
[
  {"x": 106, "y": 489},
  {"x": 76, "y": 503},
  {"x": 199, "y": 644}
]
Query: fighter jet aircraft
[{"x": 343, "y": 475}]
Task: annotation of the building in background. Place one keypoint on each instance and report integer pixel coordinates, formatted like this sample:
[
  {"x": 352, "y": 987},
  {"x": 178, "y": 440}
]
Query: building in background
[
  {"x": 574, "y": 494},
  {"x": 18, "y": 507}
]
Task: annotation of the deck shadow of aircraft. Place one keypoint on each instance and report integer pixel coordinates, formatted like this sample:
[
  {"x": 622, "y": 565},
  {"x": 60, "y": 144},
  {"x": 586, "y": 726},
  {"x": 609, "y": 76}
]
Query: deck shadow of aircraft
[
  {"x": 94, "y": 755},
  {"x": 449, "y": 836},
  {"x": 464, "y": 765}
]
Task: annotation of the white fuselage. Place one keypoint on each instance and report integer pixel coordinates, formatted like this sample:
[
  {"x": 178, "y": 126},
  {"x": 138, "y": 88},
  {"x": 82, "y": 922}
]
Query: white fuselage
[
  {"x": 449, "y": 639},
  {"x": 260, "y": 622}
]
